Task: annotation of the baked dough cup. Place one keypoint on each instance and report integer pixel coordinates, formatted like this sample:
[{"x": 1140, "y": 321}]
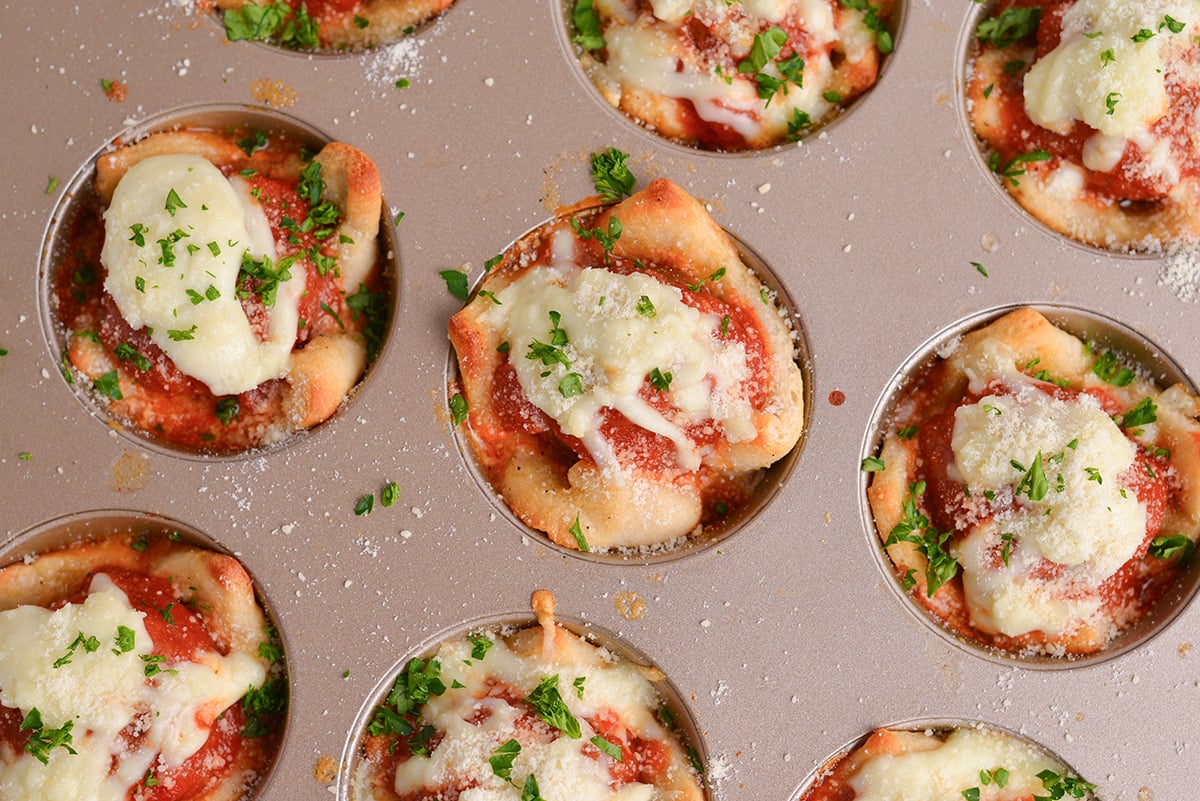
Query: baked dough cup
[
  {"x": 555, "y": 484},
  {"x": 715, "y": 103},
  {"x": 920, "y": 478},
  {"x": 945, "y": 763},
  {"x": 1082, "y": 204},
  {"x": 330, "y": 355},
  {"x": 612, "y": 700},
  {"x": 364, "y": 24},
  {"x": 213, "y": 587}
]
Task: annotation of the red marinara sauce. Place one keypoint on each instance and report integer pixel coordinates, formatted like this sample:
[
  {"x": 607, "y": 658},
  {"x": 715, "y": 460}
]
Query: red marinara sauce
[{"x": 1130, "y": 179}]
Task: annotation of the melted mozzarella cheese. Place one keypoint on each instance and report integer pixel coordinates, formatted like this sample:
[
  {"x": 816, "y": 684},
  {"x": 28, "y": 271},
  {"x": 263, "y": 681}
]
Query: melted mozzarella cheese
[
  {"x": 102, "y": 693},
  {"x": 946, "y": 770},
  {"x": 1086, "y": 522},
  {"x": 612, "y": 349},
  {"x": 184, "y": 277},
  {"x": 1099, "y": 74},
  {"x": 561, "y": 768}
]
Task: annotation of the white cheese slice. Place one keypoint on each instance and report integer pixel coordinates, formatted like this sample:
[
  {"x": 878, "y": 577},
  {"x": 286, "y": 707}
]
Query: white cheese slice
[
  {"x": 1105, "y": 71},
  {"x": 612, "y": 348},
  {"x": 945, "y": 771},
  {"x": 102, "y": 693},
  {"x": 182, "y": 282}
]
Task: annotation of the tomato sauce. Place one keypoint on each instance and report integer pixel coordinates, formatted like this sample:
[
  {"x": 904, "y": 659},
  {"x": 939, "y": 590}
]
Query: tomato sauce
[{"x": 1131, "y": 179}]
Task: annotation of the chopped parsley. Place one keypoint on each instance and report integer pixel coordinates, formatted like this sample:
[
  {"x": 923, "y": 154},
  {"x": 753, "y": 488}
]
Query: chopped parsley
[
  {"x": 980, "y": 268},
  {"x": 872, "y": 465},
  {"x": 1062, "y": 785},
  {"x": 458, "y": 408},
  {"x": 456, "y": 284},
  {"x": 590, "y": 35},
  {"x": 109, "y": 385},
  {"x": 1033, "y": 483},
  {"x": 127, "y": 353},
  {"x": 227, "y": 409},
  {"x": 181, "y": 334},
  {"x": 263, "y": 703},
  {"x": 645, "y": 307},
  {"x": 262, "y": 278},
  {"x": 502, "y": 759},
  {"x": 606, "y": 240},
  {"x": 571, "y": 385},
  {"x": 42, "y": 740},
  {"x": 940, "y": 566},
  {"x": 389, "y": 494},
  {"x": 273, "y": 21},
  {"x": 999, "y": 776},
  {"x": 659, "y": 381},
  {"x": 883, "y": 38},
  {"x": 576, "y": 531},
  {"x": 908, "y": 432},
  {"x": 1010, "y": 26},
  {"x": 400, "y": 714},
  {"x": 173, "y": 203},
  {"x": 1142, "y": 35},
  {"x": 1109, "y": 369},
  {"x": 480, "y": 645},
  {"x": 1014, "y": 167},
  {"x": 1171, "y": 547},
  {"x": 1144, "y": 413},
  {"x": 611, "y": 176},
  {"x": 551, "y": 708},
  {"x": 365, "y": 505},
  {"x": 608, "y": 748},
  {"x": 255, "y": 142}
]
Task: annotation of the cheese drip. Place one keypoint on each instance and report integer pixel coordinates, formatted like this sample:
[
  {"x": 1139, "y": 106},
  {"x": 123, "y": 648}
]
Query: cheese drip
[
  {"x": 1106, "y": 71},
  {"x": 613, "y": 348},
  {"x": 1086, "y": 522},
  {"x": 183, "y": 278},
  {"x": 561, "y": 768},
  {"x": 101, "y": 694},
  {"x": 949, "y": 767}
]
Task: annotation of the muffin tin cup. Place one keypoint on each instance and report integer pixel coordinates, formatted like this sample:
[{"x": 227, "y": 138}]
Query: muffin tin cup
[
  {"x": 79, "y": 197},
  {"x": 1106, "y": 334},
  {"x": 784, "y": 640}
]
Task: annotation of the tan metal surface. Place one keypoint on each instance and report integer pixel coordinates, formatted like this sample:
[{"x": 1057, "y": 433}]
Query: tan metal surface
[{"x": 787, "y": 641}]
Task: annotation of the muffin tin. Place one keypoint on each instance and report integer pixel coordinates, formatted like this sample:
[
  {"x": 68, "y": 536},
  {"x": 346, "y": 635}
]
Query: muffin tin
[{"x": 786, "y": 640}]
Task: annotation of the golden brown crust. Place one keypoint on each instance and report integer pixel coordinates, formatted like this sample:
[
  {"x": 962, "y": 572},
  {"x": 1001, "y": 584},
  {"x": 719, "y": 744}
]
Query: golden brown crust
[
  {"x": 550, "y": 487},
  {"x": 321, "y": 376},
  {"x": 1053, "y": 191}
]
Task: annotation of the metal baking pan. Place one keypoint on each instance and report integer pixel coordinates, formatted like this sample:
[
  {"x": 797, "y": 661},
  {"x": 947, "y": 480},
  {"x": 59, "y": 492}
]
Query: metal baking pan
[{"x": 786, "y": 641}]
